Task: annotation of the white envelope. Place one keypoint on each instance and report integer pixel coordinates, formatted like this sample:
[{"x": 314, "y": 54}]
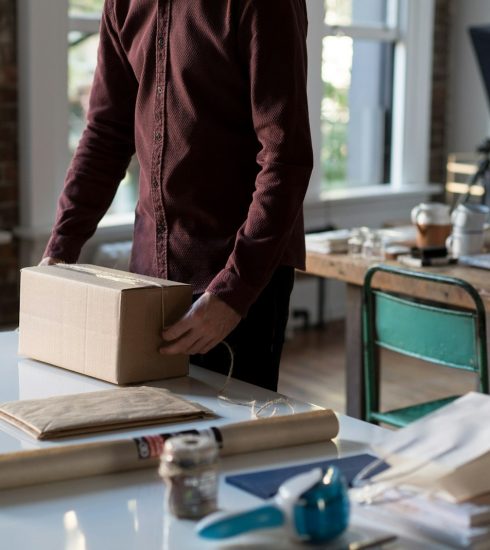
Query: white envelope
[{"x": 446, "y": 452}]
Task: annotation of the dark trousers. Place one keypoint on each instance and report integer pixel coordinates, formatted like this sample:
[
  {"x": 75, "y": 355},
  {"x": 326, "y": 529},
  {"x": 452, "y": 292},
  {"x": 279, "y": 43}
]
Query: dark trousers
[{"x": 258, "y": 339}]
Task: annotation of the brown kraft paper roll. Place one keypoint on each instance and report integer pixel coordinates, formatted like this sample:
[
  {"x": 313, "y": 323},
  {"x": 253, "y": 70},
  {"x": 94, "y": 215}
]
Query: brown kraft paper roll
[
  {"x": 25, "y": 468},
  {"x": 279, "y": 431}
]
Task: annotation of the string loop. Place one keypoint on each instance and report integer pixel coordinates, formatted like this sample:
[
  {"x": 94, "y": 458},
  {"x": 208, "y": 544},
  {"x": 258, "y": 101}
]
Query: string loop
[{"x": 256, "y": 412}]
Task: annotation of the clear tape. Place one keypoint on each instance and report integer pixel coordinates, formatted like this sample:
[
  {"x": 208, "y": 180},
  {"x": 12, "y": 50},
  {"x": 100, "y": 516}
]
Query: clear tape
[{"x": 128, "y": 278}]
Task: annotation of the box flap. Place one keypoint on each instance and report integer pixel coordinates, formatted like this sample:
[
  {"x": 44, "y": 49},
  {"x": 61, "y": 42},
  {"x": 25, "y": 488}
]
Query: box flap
[{"x": 101, "y": 276}]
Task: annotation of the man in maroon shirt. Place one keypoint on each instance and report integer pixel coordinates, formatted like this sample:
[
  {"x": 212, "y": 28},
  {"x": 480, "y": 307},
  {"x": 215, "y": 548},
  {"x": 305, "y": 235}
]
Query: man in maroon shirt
[{"x": 212, "y": 98}]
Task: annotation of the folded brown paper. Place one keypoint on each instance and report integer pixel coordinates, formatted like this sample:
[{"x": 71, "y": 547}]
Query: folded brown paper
[{"x": 71, "y": 415}]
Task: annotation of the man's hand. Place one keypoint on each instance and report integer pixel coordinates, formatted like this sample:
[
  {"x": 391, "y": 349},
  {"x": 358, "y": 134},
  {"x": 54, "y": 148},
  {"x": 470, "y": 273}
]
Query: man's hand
[
  {"x": 50, "y": 261},
  {"x": 204, "y": 326}
]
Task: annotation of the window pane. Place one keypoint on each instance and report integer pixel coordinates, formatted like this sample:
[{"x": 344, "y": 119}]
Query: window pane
[
  {"x": 82, "y": 59},
  {"x": 356, "y": 111},
  {"x": 85, "y": 7},
  {"x": 356, "y": 12}
]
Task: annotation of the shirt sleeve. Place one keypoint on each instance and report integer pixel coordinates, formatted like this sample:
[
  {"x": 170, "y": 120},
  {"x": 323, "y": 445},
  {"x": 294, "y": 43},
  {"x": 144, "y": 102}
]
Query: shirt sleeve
[
  {"x": 104, "y": 151},
  {"x": 272, "y": 44}
]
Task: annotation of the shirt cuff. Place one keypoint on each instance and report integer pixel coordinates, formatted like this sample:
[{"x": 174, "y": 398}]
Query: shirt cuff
[
  {"x": 228, "y": 286},
  {"x": 64, "y": 248}
]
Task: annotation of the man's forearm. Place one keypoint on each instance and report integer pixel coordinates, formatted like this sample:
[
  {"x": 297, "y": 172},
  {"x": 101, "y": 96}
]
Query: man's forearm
[{"x": 275, "y": 57}]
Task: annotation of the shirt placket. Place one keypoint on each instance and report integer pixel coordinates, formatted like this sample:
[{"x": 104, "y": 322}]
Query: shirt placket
[{"x": 161, "y": 229}]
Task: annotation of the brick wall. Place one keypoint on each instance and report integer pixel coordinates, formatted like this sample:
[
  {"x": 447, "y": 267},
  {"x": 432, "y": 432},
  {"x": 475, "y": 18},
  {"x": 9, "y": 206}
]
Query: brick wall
[
  {"x": 440, "y": 79},
  {"x": 9, "y": 211}
]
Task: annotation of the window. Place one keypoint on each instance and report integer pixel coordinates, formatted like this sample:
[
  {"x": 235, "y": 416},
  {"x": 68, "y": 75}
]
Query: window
[
  {"x": 358, "y": 43},
  {"x": 358, "y": 40},
  {"x": 368, "y": 60},
  {"x": 83, "y": 40}
]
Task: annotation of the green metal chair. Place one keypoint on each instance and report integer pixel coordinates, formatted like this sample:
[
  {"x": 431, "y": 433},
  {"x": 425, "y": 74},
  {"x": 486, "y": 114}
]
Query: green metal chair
[{"x": 437, "y": 333}]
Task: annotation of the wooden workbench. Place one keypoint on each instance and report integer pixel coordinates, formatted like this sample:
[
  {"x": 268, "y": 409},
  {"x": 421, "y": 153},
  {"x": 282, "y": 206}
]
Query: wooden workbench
[{"x": 352, "y": 270}]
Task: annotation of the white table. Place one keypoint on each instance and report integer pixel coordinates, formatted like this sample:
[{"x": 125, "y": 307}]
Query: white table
[{"x": 127, "y": 511}]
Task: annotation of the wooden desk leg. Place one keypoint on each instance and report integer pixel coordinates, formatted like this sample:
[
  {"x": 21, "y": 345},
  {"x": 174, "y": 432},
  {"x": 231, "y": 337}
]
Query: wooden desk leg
[
  {"x": 487, "y": 320},
  {"x": 353, "y": 350}
]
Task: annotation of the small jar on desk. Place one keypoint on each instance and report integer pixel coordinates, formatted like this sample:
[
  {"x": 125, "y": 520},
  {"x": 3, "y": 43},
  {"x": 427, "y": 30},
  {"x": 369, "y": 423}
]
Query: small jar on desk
[
  {"x": 356, "y": 241},
  {"x": 189, "y": 465},
  {"x": 373, "y": 246}
]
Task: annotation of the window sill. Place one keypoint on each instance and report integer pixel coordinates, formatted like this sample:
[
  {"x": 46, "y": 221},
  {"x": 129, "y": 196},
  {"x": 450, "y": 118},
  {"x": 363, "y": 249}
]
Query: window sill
[
  {"x": 117, "y": 220},
  {"x": 109, "y": 223},
  {"x": 372, "y": 206},
  {"x": 371, "y": 192}
]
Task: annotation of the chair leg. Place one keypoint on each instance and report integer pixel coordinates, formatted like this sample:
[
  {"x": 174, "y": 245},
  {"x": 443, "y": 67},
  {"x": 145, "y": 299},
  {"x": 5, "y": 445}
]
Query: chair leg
[
  {"x": 303, "y": 314},
  {"x": 321, "y": 303}
]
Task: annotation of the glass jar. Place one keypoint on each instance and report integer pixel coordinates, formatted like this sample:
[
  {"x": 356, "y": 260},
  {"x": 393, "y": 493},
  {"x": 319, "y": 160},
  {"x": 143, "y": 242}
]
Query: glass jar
[
  {"x": 189, "y": 465},
  {"x": 373, "y": 246},
  {"x": 355, "y": 242}
]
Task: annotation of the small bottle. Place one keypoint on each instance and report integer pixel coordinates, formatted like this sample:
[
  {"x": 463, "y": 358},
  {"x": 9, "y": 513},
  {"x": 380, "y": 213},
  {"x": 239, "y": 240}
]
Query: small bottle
[
  {"x": 373, "y": 247},
  {"x": 356, "y": 239},
  {"x": 189, "y": 465}
]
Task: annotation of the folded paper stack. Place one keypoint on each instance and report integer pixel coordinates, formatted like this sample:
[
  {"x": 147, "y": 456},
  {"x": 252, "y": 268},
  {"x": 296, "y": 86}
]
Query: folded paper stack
[
  {"x": 100, "y": 322},
  {"x": 85, "y": 413},
  {"x": 437, "y": 482},
  {"x": 461, "y": 525},
  {"x": 328, "y": 242}
]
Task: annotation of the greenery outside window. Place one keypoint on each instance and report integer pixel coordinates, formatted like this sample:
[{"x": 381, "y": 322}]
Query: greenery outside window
[{"x": 358, "y": 43}]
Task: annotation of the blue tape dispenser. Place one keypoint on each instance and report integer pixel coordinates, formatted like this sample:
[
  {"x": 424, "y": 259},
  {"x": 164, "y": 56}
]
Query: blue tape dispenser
[{"x": 314, "y": 506}]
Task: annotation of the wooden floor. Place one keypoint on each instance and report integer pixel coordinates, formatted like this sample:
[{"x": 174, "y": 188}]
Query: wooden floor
[{"x": 312, "y": 370}]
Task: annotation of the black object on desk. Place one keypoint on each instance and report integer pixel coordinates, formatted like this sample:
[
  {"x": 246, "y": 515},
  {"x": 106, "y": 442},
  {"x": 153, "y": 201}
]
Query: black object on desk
[{"x": 429, "y": 252}]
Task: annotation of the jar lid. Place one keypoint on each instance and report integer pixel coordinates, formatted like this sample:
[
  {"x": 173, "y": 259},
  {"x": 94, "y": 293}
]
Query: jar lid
[{"x": 188, "y": 450}]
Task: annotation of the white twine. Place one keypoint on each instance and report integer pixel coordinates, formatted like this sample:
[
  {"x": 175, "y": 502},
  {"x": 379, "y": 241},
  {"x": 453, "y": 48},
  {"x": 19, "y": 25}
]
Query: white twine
[{"x": 255, "y": 412}]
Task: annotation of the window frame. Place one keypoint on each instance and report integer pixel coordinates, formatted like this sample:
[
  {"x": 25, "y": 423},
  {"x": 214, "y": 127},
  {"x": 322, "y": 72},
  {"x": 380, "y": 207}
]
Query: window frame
[
  {"x": 410, "y": 27},
  {"x": 43, "y": 114}
]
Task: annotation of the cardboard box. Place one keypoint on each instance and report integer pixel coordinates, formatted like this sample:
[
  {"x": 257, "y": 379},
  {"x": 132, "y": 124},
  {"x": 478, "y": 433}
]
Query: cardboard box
[{"x": 100, "y": 322}]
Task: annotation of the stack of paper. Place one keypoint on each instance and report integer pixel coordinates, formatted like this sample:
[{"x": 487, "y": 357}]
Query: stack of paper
[
  {"x": 328, "y": 242},
  {"x": 404, "y": 234},
  {"x": 336, "y": 242},
  {"x": 464, "y": 525},
  {"x": 477, "y": 260}
]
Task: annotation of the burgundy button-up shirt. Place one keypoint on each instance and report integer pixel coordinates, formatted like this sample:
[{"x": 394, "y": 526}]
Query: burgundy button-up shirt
[{"x": 211, "y": 94}]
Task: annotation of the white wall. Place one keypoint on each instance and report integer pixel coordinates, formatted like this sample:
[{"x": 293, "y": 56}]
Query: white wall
[{"x": 469, "y": 112}]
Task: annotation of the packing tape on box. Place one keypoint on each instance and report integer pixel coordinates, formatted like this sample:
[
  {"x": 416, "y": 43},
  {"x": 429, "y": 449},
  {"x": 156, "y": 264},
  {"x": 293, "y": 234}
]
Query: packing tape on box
[
  {"x": 126, "y": 279},
  {"x": 60, "y": 463},
  {"x": 101, "y": 273}
]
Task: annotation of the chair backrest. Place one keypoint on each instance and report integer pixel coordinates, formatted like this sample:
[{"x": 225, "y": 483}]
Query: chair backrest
[{"x": 435, "y": 332}]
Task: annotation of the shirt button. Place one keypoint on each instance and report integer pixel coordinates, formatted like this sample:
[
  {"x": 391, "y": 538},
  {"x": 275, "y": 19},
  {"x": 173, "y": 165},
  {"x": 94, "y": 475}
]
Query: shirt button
[
  {"x": 160, "y": 42},
  {"x": 159, "y": 90},
  {"x": 154, "y": 183},
  {"x": 158, "y": 136}
]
